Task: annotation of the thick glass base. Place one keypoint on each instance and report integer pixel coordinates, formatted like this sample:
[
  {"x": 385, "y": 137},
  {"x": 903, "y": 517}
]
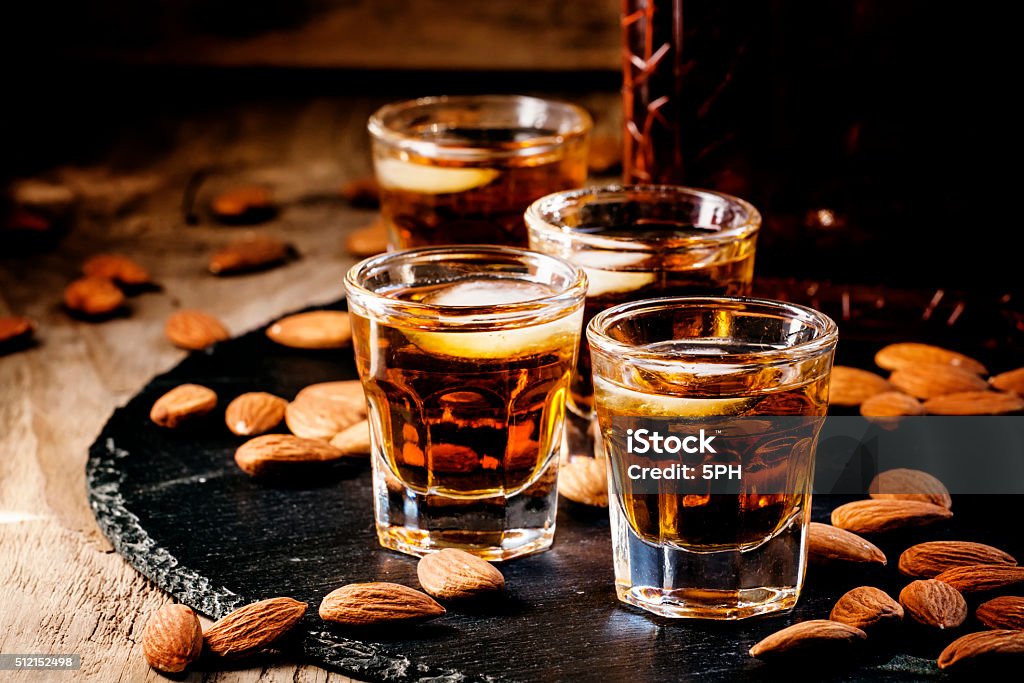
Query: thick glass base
[
  {"x": 705, "y": 604},
  {"x": 710, "y": 583},
  {"x": 496, "y": 528}
]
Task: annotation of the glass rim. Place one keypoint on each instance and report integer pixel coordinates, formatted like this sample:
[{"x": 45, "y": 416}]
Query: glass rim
[
  {"x": 476, "y": 316},
  {"x": 537, "y": 218},
  {"x": 381, "y": 127},
  {"x": 821, "y": 343}
]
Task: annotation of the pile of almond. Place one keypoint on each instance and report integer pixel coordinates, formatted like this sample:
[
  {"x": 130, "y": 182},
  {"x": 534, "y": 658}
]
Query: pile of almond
[
  {"x": 942, "y": 576},
  {"x": 173, "y": 638},
  {"x": 926, "y": 380},
  {"x": 326, "y": 421},
  {"x": 106, "y": 279}
]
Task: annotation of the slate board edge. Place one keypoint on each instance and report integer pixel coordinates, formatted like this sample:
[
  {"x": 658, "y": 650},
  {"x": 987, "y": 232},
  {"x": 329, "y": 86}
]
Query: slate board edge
[{"x": 121, "y": 527}]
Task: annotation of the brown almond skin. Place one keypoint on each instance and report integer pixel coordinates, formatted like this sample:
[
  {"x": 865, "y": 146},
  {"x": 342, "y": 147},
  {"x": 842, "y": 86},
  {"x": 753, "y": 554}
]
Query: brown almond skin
[
  {"x": 808, "y": 636},
  {"x": 313, "y": 330},
  {"x": 372, "y": 604},
  {"x": 368, "y": 241},
  {"x": 891, "y": 404},
  {"x": 194, "y": 330},
  {"x": 975, "y": 403},
  {"x": 244, "y": 204},
  {"x": 1011, "y": 380},
  {"x": 116, "y": 267},
  {"x": 1006, "y": 612},
  {"x": 879, "y": 516},
  {"x": 275, "y": 453},
  {"x": 254, "y": 627},
  {"x": 254, "y": 413},
  {"x": 311, "y": 418},
  {"x": 584, "y": 480},
  {"x": 452, "y": 574},
  {"x": 907, "y": 484},
  {"x": 852, "y": 386},
  {"x": 93, "y": 296},
  {"x": 896, "y": 356},
  {"x": 975, "y": 648},
  {"x": 173, "y": 638},
  {"x": 866, "y": 607},
  {"x": 934, "y": 603},
  {"x": 182, "y": 404},
  {"x": 256, "y": 252},
  {"x": 929, "y": 380},
  {"x": 354, "y": 440},
  {"x": 826, "y": 543},
  {"x": 15, "y": 329},
  {"x": 928, "y": 560},
  {"x": 979, "y": 578}
]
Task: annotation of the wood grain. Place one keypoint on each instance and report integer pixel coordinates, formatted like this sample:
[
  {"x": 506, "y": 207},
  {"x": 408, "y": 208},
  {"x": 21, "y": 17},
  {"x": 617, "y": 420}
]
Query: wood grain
[{"x": 63, "y": 589}]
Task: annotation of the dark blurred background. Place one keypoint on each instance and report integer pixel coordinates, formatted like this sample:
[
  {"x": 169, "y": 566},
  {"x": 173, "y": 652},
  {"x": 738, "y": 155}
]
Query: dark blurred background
[{"x": 877, "y": 136}]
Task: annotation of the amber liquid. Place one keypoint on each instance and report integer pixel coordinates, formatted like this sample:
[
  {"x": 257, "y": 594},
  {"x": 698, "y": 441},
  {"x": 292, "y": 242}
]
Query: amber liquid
[
  {"x": 481, "y": 202},
  {"x": 774, "y": 457},
  {"x": 729, "y": 273},
  {"x": 454, "y": 421}
]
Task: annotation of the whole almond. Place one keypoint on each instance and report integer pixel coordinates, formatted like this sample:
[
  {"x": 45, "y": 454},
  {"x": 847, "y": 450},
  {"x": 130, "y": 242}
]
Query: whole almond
[
  {"x": 254, "y": 627},
  {"x": 974, "y": 648},
  {"x": 808, "y": 636},
  {"x": 93, "y": 296},
  {"x": 247, "y": 203},
  {"x": 928, "y": 380},
  {"x": 877, "y": 516},
  {"x": 452, "y": 574},
  {"x": 975, "y": 403},
  {"x": 852, "y": 386},
  {"x": 368, "y": 241},
  {"x": 897, "y": 356},
  {"x": 978, "y": 578},
  {"x": 316, "y": 419},
  {"x": 15, "y": 329},
  {"x": 584, "y": 480},
  {"x": 253, "y": 413},
  {"x": 927, "y": 560},
  {"x": 826, "y": 543},
  {"x": 907, "y": 484},
  {"x": 370, "y": 604},
  {"x": 1011, "y": 380},
  {"x": 1006, "y": 611},
  {"x": 194, "y": 330},
  {"x": 353, "y": 440},
  {"x": 254, "y": 252},
  {"x": 324, "y": 410},
  {"x": 181, "y": 404},
  {"x": 347, "y": 394},
  {"x": 173, "y": 638},
  {"x": 934, "y": 603},
  {"x": 891, "y": 404},
  {"x": 313, "y": 330},
  {"x": 866, "y": 607},
  {"x": 272, "y": 453},
  {"x": 116, "y": 267}
]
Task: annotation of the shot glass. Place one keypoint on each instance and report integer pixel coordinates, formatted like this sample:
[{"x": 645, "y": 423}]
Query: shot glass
[
  {"x": 465, "y": 355},
  {"x": 724, "y": 398},
  {"x": 462, "y": 170},
  {"x": 637, "y": 242}
]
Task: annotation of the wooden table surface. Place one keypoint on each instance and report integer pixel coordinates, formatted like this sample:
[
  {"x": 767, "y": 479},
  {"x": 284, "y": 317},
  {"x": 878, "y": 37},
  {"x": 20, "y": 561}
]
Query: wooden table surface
[{"x": 62, "y": 588}]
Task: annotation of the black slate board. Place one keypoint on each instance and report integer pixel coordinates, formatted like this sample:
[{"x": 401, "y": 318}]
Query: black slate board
[{"x": 175, "y": 506}]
